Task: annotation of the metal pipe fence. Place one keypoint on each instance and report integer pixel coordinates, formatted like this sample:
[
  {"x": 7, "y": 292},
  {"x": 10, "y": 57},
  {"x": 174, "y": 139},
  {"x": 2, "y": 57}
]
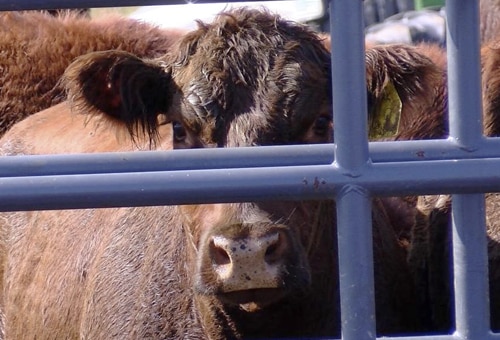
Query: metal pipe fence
[{"x": 352, "y": 170}]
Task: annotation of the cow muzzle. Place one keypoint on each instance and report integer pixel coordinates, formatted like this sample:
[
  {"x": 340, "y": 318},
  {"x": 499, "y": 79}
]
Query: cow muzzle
[
  {"x": 251, "y": 266},
  {"x": 250, "y": 262}
]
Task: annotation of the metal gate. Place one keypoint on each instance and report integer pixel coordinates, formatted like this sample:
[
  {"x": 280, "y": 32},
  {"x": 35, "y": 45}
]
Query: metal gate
[{"x": 352, "y": 170}]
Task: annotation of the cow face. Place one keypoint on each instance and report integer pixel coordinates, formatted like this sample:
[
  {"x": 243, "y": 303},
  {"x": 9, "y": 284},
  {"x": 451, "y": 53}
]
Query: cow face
[
  {"x": 247, "y": 79},
  {"x": 251, "y": 79}
]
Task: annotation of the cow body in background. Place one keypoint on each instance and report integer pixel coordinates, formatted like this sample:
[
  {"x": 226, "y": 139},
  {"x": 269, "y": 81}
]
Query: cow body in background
[
  {"x": 430, "y": 252},
  {"x": 37, "y": 47},
  {"x": 430, "y": 258},
  {"x": 216, "y": 271}
]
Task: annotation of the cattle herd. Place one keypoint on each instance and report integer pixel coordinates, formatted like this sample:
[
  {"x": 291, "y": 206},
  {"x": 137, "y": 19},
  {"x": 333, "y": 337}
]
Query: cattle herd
[{"x": 74, "y": 84}]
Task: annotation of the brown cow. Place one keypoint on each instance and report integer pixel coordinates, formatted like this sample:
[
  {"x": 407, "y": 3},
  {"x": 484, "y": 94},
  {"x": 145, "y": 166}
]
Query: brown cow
[
  {"x": 212, "y": 271},
  {"x": 36, "y": 48},
  {"x": 430, "y": 251}
]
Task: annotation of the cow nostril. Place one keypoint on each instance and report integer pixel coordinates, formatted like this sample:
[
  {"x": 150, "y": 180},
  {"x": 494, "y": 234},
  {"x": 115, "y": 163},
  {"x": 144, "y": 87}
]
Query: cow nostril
[{"x": 219, "y": 255}]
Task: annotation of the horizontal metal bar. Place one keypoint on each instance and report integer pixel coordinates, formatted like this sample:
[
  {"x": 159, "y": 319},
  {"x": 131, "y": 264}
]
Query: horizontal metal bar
[
  {"x": 425, "y": 150},
  {"x": 17, "y": 5},
  {"x": 422, "y": 150},
  {"x": 268, "y": 156},
  {"x": 148, "y": 161},
  {"x": 249, "y": 184},
  {"x": 158, "y": 188}
]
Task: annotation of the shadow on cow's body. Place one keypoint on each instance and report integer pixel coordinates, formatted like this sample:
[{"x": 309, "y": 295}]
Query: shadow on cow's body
[{"x": 214, "y": 271}]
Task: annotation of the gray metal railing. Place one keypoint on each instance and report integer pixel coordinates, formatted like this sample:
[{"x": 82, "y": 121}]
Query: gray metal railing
[{"x": 351, "y": 171}]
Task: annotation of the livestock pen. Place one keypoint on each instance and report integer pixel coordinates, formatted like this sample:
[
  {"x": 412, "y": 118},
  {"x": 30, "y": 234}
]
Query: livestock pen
[{"x": 352, "y": 170}]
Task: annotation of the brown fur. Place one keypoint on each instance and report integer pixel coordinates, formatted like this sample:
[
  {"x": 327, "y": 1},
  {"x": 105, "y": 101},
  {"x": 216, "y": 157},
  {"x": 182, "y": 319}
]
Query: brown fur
[
  {"x": 431, "y": 235},
  {"x": 430, "y": 257},
  {"x": 247, "y": 79},
  {"x": 489, "y": 23},
  {"x": 37, "y": 47},
  {"x": 119, "y": 281},
  {"x": 430, "y": 122},
  {"x": 419, "y": 76},
  {"x": 425, "y": 118},
  {"x": 430, "y": 261},
  {"x": 490, "y": 60}
]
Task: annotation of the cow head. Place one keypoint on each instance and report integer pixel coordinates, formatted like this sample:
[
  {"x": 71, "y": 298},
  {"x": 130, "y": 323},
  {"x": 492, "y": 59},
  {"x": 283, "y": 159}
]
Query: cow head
[{"x": 247, "y": 79}]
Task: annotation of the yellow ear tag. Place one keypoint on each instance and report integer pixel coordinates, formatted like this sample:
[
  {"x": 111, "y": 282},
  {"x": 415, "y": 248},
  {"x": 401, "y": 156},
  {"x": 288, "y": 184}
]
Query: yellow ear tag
[{"x": 385, "y": 116}]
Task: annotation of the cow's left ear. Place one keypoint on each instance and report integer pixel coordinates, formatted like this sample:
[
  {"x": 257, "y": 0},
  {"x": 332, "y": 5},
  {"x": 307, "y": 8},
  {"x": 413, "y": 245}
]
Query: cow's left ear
[
  {"x": 120, "y": 85},
  {"x": 385, "y": 114}
]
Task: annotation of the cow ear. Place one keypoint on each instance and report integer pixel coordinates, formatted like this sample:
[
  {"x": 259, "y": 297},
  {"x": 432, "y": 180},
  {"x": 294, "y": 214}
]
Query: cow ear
[
  {"x": 119, "y": 84},
  {"x": 385, "y": 114}
]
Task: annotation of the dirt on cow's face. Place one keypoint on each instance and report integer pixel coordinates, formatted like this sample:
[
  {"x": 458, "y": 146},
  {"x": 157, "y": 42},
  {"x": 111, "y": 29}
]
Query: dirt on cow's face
[{"x": 245, "y": 80}]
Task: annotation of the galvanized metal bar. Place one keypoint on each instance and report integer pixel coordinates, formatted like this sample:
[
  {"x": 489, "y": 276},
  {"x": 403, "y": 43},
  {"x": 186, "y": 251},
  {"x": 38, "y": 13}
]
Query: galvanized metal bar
[
  {"x": 348, "y": 84},
  {"x": 353, "y": 203},
  {"x": 357, "y": 294},
  {"x": 431, "y": 177},
  {"x": 17, "y": 5},
  {"x": 158, "y": 188},
  {"x": 468, "y": 211},
  {"x": 423, "y": 150},
  {"x": 470, "y": 266},
  {"x": 464, "y": 82},
  {"x": 118, "y": 162},
  {"x": 320, "y": 154},
  {"x": 246, "y": 184}
]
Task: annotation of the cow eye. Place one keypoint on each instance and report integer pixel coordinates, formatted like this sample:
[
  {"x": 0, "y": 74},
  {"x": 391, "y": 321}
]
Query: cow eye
[
  {"x": 322, "y": 125},
  {"x": 179, "y": 132}
]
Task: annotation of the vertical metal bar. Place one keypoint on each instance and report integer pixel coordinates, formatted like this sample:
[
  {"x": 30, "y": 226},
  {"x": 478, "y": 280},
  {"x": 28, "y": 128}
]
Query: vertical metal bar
[
  {"x": 357, "y": 299},
  {"x": 463, "y": 77},
  {"x": 469, "y": 229},
  {"x": 353, "y": 203},
  {"x": 349, "y": 89},
  {"x": 470, "y": 266}
]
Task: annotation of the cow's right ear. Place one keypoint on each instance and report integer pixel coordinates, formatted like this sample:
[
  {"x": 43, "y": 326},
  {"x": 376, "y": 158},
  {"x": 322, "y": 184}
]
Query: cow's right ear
[{"x": 120, "y": 85}]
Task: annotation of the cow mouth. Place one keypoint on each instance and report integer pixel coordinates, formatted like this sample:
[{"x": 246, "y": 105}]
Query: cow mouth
[{"x": 253, "y": 300}]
